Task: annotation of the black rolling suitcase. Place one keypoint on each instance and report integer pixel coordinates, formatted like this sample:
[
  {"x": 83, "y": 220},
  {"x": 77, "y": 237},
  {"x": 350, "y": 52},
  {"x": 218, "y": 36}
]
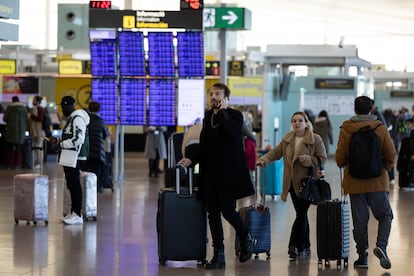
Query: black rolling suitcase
[
  {"x": 333, "y": 231},
  {"x": 181, "y": 224},
  {"x": 173, "y": 156},
  {"x": 257, "y": 219}
]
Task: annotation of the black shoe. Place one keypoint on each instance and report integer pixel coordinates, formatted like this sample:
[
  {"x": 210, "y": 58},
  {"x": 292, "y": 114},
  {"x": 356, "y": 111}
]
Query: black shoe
[
  {"x": 218, "y": 261},
  {"x": 362, "y": 261},
  {"x": 293, "y": 252},
  {"x": 246, "y": 249}
]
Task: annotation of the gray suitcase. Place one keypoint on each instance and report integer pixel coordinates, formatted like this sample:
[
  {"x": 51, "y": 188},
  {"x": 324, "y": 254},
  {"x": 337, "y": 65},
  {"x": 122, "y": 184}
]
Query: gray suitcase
[
  {"x": 89, "y": 196},
  {"x": 31, "y": 198}
]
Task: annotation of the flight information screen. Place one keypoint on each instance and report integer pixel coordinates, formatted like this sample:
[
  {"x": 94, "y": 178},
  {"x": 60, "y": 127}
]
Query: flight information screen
[
  {"x": 133, "y": 101},
  {"x": 104, "y": 91},
  {"x": 161, "y": 54},
  {"x": 190, "y": 54},
  {"x": 161, "y": 102},
  {"x": 131, "y": 54},
  {"x": 103, "y": 57}
]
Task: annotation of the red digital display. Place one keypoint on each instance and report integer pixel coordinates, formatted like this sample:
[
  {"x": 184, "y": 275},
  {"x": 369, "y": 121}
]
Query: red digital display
[
  {"x": 191, "y": 4},
  {"x": 100, "y": 4}
]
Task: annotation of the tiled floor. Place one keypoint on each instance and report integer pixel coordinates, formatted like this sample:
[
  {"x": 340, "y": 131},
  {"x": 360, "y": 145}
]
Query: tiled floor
[{"x": 123, "y": 240}]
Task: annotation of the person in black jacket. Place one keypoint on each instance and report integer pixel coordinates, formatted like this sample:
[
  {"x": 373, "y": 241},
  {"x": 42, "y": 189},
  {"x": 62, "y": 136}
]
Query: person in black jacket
[
  {"x": 97, "y": 133},
  {"x": 224, "y": 176}
]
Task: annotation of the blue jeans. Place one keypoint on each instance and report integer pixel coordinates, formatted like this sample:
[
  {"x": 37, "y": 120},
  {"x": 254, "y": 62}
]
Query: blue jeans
[{"x": 381, "y": 209}]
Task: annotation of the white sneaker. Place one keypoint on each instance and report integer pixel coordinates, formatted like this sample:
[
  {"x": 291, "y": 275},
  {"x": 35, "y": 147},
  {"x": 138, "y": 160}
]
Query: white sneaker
[
  {"x": 68, "y": 216},
  {"x": 74, "y": 219}
]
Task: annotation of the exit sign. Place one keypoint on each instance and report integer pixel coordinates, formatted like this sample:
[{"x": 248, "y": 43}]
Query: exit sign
[{"x": 227, "y": 18}]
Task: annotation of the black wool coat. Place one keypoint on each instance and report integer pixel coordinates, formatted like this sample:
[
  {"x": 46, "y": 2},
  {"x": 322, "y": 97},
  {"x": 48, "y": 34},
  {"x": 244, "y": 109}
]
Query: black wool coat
[{"x": 222, "y": 159}]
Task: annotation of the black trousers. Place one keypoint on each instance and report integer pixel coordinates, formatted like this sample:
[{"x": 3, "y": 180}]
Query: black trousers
[
  {"x": 72, "y": 176},
  {"x": 299, "y": 236},
  {"x": 227, "y": 209}
]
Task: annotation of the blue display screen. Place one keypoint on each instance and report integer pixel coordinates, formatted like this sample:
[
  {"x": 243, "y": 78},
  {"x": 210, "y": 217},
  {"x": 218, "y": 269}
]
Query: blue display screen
[
  {"x": 131, "y": 54},
  {"x": 161, "y": 54},
  {"x": 104, "y": 91},
  {"x": 133, "y": 101},
  {"x": 103, "y": 58},
  {"x": 190, "y": 54},
  {"x": 161, "y": 102}
]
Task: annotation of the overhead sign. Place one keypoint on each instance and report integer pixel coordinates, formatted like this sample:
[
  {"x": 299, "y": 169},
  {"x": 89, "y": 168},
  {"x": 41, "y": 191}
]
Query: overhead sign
[
  {"x": 227, "y": 18},
  {"x": 334, "y": 83},
  {"x": 189, "y": 19},
  {"x": 70, "y": 67},
  {"x": 9, "y": 9},
  {"x": 7, "y": 66}
]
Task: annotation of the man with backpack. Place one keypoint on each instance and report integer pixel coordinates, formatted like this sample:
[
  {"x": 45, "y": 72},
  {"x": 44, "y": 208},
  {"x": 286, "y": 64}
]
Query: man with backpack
[
  {"x": 74, "y": 137},
  {"x": 367, "y": 182}
]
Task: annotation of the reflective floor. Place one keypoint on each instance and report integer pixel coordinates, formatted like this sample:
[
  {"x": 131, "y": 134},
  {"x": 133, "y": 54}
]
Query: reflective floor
[{"x": 123, "y": 240}]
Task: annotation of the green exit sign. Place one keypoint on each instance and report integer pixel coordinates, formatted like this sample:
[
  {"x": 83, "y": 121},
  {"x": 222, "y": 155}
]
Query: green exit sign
[{"x": 227, "y": 18}]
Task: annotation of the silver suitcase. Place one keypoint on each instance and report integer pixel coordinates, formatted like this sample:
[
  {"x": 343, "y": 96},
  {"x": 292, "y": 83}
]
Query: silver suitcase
[
  {"x": 89, "y": 196},
  {"x": 31, "y": 195}
]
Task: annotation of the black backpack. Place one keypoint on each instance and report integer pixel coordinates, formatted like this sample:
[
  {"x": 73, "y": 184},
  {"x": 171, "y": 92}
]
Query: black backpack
[{"x": 365, "y": 154}]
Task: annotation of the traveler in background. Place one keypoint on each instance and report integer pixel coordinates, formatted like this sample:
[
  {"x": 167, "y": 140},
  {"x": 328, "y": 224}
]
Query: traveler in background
[
  {"x": 300, "y": 149},
  {"x": 224, "y": 176},
  {"x": 405, "y": 163},
  {"x": 73, "y": 137},
  {"x": 155, "y": 149},
  {"x": 368, "y": 193},
  {"x": 37, "y": 115},
  {"x": 16, "y": 118},
  {"x": 98, "y": 132},
  {"x": 323, "y": 127}
]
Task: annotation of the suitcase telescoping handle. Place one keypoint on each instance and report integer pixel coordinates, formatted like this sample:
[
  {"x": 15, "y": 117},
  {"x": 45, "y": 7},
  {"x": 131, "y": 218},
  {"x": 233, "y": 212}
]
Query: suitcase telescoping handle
[
  {"x": 263, "y": 193},
  {"x": 177, "y": 178},
  {"x": 343, "y": 195}
]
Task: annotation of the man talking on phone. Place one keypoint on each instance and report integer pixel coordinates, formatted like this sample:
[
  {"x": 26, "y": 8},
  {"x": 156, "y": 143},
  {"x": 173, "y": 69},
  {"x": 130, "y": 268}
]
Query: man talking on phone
[{"x": 224, "y": 176}]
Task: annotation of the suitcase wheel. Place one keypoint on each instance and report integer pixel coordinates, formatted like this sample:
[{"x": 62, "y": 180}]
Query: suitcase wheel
[
  {"x": 327, "y": 263},
  {"x": 46, "y": 222},
  {"x": 35, "y": 222},
  {"x": 346, "y": 262},
  {"x": 27, "y": 222},
  {"x": 319, "y": 263},
  {"x": 338, "y": 264},
  {"x": 94, "y": 218},
  {"x": 16, "y": 221},
  {"x": 162, "y": 261},
  {"x": 268, "y": 254}
]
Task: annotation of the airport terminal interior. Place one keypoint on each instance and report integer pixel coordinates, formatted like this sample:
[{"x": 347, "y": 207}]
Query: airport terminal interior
[
  {"x": 315, "y": 55},
  {"x": 123, "y": 239}
]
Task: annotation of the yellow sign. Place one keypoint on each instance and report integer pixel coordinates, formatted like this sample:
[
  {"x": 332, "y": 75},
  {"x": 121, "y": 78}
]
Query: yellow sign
[
  {"x": 7, "y": 66},
  {"x": 246, "y": 86},
  {"x": 70, "y": 67},
  {"x": 128, "y": 22}
]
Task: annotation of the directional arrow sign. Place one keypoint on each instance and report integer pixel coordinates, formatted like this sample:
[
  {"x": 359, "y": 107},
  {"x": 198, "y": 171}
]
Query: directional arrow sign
[{"x": 227, "y": 18}]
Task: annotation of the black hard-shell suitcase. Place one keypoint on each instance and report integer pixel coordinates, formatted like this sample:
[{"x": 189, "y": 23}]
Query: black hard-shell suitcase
[
  {"x": 181, "y": 224},
  {"x": 333, "y": 231},
  {"x": 173, "y": 156},
  {"x": 257, "y": 219}
]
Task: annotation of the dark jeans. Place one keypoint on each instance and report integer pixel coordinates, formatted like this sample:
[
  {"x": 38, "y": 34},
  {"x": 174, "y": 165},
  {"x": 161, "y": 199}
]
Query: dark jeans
[
  {"x": 16, "y": 154},
  {"x": 215, "y": 209},
  {"x": 299, "y": 236},
  {"x": 381, "y": 209},
  {"x": 72, "y": 176}
]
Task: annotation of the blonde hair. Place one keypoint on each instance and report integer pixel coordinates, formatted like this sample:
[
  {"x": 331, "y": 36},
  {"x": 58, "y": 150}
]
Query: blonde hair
[{"x": 307, "y": 121}]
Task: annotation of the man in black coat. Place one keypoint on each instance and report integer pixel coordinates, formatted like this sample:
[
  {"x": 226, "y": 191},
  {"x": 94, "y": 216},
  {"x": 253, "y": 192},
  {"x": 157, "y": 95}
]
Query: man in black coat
[{"x": 224, "y": 176}]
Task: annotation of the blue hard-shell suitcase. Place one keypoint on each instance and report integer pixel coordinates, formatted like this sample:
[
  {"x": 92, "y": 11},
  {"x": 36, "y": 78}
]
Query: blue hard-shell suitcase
[{"x": 257, "y": 219}]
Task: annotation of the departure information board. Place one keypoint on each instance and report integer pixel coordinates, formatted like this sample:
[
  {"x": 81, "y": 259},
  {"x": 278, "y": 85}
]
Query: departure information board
[
  {"x": 190, "y": 54},
  {"x": 161, "y": 102},
  {"x": 103, "y": 57},
  {"x": 161, "y": 54},
  {"x": 133, "y": 101},
  {"x": 131, "y": 54},
  {"x": 104, "y": 91}
]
